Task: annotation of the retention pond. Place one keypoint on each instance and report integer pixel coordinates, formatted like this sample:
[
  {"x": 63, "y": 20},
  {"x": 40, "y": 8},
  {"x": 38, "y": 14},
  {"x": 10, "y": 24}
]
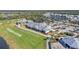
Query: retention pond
[{"x": 3, "y": 44}]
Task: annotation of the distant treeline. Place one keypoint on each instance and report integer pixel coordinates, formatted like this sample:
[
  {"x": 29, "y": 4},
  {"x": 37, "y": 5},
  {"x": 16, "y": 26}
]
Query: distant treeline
[
  {"x": 32, "y": 14},
  {"x": 70, "y": 12},
  {"x": 75, "y": 12}
]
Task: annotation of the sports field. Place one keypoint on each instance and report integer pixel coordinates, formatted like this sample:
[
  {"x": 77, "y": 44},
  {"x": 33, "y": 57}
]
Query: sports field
[{"x": 17, "y": 38}]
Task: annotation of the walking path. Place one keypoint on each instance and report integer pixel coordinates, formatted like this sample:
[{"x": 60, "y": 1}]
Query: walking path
[
  {"x": 33, "y": 31},
  {"x": 47, "y": 41},
  {"x": 47, "y": 44}
]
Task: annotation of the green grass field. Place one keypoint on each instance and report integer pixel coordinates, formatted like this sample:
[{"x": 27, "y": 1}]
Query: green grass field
[{"x": 27, "y": 40}]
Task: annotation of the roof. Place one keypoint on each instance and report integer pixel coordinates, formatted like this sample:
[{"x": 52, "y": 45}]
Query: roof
[
  {"x": 71, "y": 41},
  {"x": 39, "y": 26}
]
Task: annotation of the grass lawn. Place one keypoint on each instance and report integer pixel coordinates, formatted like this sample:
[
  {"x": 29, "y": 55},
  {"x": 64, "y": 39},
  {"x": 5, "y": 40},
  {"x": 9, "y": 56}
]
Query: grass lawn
[{"x": 27, "y": 39}]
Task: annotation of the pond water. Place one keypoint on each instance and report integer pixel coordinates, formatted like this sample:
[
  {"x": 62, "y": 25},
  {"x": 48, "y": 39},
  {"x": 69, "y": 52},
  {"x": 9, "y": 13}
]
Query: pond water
[{"x": 3, "y": 44}]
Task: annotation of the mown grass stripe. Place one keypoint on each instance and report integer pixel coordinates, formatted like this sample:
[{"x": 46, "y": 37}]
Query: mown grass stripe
[{"x": 12, "y": 31}]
